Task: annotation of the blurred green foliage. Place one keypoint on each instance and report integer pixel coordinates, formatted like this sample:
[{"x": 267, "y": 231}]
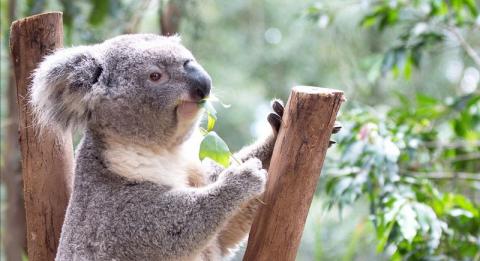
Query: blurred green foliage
[
  {"x": 405, "y": 174},
  {"x": 396, "y": 159}
]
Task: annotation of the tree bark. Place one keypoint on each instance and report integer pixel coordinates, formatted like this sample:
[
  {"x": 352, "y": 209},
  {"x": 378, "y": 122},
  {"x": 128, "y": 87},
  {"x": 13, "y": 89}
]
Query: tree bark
[
  {"x": 170, "y": 17},
  {"x": 294, "y": 170},
  {"x": 15, "y": 243},
  {"x": 47, "y": 156}
]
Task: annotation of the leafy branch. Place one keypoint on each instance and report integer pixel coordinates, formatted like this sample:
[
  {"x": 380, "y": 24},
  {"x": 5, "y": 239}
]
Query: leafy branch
[
  {"x": 212, "y": 146},
  {"x": 396, "y": 161}
]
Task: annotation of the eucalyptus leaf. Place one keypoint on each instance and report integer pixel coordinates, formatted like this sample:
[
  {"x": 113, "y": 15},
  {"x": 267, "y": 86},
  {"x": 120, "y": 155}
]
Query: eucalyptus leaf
[
  {"x": 211, "y": 114},
  {"x": 213, "y": 147},
  {"x": 211, "y": 119},
  {"x": 407, "y": 220}
]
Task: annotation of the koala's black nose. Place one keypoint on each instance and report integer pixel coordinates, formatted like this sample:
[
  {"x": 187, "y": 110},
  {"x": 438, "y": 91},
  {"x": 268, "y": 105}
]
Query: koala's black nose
[{"x": 198, "y": 79}]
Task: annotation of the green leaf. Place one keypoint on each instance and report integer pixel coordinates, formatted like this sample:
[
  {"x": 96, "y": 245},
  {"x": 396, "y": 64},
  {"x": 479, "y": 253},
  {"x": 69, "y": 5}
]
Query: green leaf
[
  {"x": 452, "y": 200},
  {"x": 313, "y": 10},
  {"x": 407, "y": 68},
  {"x": 407, "y": 220},
  {"x": 439, "y": 8},
  {"x": 424, "y": 100},
  {"x": 211, "y": 121},
  {"x": 368, "y": 20},
  {"x": 471, "y": 6},
  {"x": 211, "y": 114},
  {"x": 342, "y": 186},
  {"x": 389, "y": 221},
  {"x": 404, "y": 100},
  {"x": 384, "y": 237},
  {"x": 388, "y": 61},
  {"x": 213, "y": 147}
]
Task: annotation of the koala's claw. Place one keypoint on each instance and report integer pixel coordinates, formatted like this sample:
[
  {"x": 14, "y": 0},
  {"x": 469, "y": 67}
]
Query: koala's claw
[
  {"x": 336, "y": 128},
  {"x": 275, "y": 121},
  {"x": 277, "y": 106},
  {"x": 275, "y": 118}
]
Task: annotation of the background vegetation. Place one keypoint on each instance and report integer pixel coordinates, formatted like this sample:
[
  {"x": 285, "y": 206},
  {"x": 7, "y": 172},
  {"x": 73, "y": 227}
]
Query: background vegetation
[{"x": 403, "y": 181}]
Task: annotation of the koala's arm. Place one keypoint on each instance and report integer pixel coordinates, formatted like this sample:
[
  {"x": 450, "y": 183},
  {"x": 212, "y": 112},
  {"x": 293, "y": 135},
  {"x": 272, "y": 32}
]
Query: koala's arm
[
  {"x": 182, "y": 221},
  {"x": 238, "y": 225}
]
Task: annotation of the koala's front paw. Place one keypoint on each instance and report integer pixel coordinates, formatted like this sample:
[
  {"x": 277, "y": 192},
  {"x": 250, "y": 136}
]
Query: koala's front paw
[
  {"x": 275, "y": 119},
  {"x": 249, "y": 177}
]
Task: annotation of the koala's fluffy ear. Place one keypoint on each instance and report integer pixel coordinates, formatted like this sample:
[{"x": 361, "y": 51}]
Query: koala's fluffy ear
[{"x": 61, "y": 93}]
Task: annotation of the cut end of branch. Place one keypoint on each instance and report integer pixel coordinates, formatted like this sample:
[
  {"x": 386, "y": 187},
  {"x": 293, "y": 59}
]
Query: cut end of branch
[
  {"x": 34, "y": 17},
  {"x": 17, "y": 25},
  {"x": 319, "y": 91}
]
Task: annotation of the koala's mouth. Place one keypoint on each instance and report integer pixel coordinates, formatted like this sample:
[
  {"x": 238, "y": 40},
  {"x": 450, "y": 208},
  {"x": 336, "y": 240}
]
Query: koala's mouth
[{"x": 189, "y": 108}]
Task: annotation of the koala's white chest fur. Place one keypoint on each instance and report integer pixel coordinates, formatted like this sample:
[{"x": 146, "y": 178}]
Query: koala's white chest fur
[{"x": 163, "y": 167}]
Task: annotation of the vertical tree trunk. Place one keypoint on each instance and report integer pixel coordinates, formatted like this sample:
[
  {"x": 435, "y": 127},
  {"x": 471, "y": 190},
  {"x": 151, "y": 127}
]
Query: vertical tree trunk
[
  {"x": 15, "y": 243},
  {"x": 47, "y": 157},
  {"x": 170, "y": 16},
  {"x": 293, "y": 174}
]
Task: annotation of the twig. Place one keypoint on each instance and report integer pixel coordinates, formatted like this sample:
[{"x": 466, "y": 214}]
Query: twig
[
  {"x": 465, "y": 157},
  {"x": 444, "y": 175},
  {"x": 465, "y": 45},
  {"x": 417, "y": 174},
  {"x": 451, "y": 144}
]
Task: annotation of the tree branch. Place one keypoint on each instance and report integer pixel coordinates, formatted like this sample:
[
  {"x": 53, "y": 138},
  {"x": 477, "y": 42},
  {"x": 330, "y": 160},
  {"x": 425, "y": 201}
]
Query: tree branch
[
  {"x": 444, "y": 175},
  {"x": 469, "y": 50}
]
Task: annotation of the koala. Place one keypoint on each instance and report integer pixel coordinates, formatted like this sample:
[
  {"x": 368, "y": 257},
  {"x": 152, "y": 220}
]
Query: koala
[{"x": 139, "y": 190}]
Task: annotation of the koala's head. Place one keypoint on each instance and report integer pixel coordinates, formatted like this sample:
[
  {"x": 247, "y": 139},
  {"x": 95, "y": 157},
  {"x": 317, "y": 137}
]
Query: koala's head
[{"x": 143, "y": 88}]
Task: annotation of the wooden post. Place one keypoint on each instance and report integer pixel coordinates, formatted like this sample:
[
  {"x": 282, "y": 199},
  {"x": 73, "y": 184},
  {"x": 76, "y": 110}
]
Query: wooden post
[
  {"x": 294, "y": 170},
  {"x": 47, "y": 157}
]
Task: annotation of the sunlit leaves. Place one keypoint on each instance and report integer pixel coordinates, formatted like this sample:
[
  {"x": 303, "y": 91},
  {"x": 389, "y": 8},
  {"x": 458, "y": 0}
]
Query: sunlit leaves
[{"x": 383, "y": 15}]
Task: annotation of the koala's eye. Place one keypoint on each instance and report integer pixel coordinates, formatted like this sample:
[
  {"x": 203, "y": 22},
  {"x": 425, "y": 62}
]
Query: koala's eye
[{"x": 155, "y": 76}]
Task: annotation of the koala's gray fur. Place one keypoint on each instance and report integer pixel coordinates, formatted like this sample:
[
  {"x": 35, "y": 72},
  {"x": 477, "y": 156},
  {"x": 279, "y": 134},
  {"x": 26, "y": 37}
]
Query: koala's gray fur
[{"x": 131, "y": 200}]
